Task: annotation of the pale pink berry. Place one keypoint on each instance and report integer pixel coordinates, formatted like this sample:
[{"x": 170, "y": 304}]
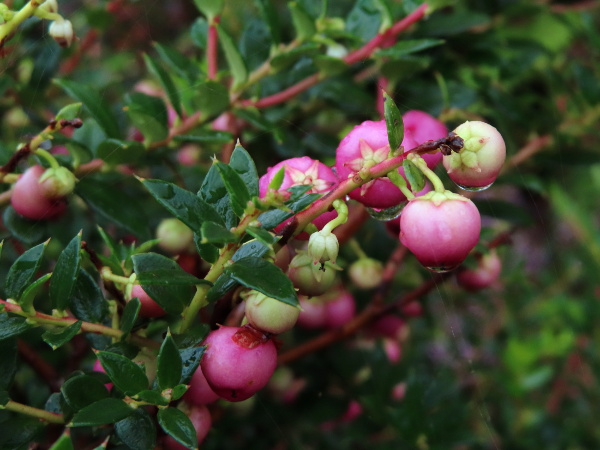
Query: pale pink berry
[
  {"x": 234, "y": 371},
  {"x": 392, "y": 349},
  {"x": 201, "y": 420},
  {"x": 148, "y": 307},
  {"x": 199, "y": 392},
  {"x": 98, "y": 368},
  {"x": 484, "y": 275},
  {"x": 390, "y": 326},
  {"x": 440, "y": 229},
  {"x": 339, "y": 309},
  {"x": 29, "y": 198},
  {"x": 302, "y": 171},
  {"x": 312, "y": 315},
  {"x": 422, "y": 127}
]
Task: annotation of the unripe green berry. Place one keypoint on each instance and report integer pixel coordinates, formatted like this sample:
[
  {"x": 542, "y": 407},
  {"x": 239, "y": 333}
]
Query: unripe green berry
[
  {"x": 366, "y": 273},
  {"x": 269, "y": 314},
  {"x": 311, "y": 279},
  {"x": 57, "y": 183},
  {"x": 175, "y": 236}
]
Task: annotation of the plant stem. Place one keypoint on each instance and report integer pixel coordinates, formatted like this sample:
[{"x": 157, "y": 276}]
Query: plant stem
[
  {"x": 6, "y": 29},
  {"x": 211, "y": 48},
  {"x": 34, "y": 412}
]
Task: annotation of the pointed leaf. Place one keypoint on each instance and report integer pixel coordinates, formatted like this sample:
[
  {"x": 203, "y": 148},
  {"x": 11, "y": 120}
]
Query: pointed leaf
[
  {"x": 190, "y": 358},
  {"x": 23, "y": 270},
  {"x": 206, "y": 137},
  {"x": 138, "y": 431},
  {"x": 214, "y": 192},
  {"x": 182, "y": 65},
  {"x": 262, "y": 235},
  {"x": 414, "y": 176},
  {"x": 123, "y": 372},
  {"x": 238, "y": 192},
  {"x": 243, "y": 164},
  {"x": 12, "y": 326},
  {"x": 237, "y": 66},
  {"x": 223, "y": 285},
  {"x": 166, "y": 82},
  {"x": 65, "y": 273},
  {"x": 94, "y": 104},
  {"x": 31, "y": 291},
  {"x": 130, "y": 315},
  {"x": 264, "y": 276},
  {"x": 213, "y": 233},
  {"x": 153, "y": 397},
  {"x": 183, "y": 204},
  {"x": 83, "y": 390},
  {"x": 177, "y": 425},
  {"x": 26, "y": 231},
  {"x": 102, "y": 412},
  {"x": 8, "y": 362},
  {"x": 149, "y": 115},
  {"x": 303, "y": 23},
  {"x": 210, "y": 8},
  {"x": 55, "y": 340},
  {"x": 169, "y": 364},
  {"x": 87, "y": 302},
  {"x": 211, "y": 99},
  {"x": 69, "y": 112},
  {"x": 393, "y": 121},
  {"x": 116, "y": 151},
  {"x": 271, "y": 18}
]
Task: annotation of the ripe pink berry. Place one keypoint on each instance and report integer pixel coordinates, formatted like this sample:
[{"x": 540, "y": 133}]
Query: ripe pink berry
[
  {"x": 479, "y": 162},
  {"x": 298, "y": 172},
  {"x": 199, "y": 392},
  {"x": 440, "y": 229},
  {"x": 148, "y": 307},
  {"x": 29, "y": 198},
  {"x": 487, "y": 271},
  {"x": 340, "y": 309},
  {"x": 233, "y": 371},
  {"x": 202, "y": 422},
  {"x": 313, "y": 312},
  {"x": 422, "y": 127}
]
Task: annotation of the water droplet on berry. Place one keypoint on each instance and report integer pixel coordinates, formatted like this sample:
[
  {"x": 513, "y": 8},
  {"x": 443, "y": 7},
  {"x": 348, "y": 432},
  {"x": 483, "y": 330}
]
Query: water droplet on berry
[
  {"x": 386, "y": 214},
  {"x": 473, "y": 188}
]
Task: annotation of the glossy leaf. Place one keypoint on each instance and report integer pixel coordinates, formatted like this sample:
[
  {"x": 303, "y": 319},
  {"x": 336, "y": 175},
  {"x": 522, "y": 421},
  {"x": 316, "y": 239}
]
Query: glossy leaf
[
  {"x": 94, "y": 104},
  {"x": 238, "y": 193},
  {"x": 211, "y": 98},
  {"x": 69, "y": 112},
  {"x": 57, "y": 339},
  {"x": 87, "y": 302},
  {"x": 153, "y": 397},
  {"x": 23, "y": 270},
  {"x": 177, "y": 425},
  {"x": 63, "y": 442},
  {"x": 264, "y": 276},
  {"x": 8, "y": 362},
  {"x": 271, "y": 219},
  {"x": 166, "y": 82},
  {"x": 271, "y": 18},
  {"x": 31, "y": 291},
  {"x": 169, "y": 364},
  {"x": 102, "y": 412},
  {"x": 183, "y": 204},
  {"x": 287, "y": 59},
  {"x": 138, "y": 431},
  {"x": 236, "y": 64},
  {"x": 393, "y": 122},
  {"x": 27, "y": 231},
  {"x": 115, "y": 151},
  {"x": 223, "y": 285},
  {"x": 414, "y": 176},
  {"x": 303, "y": 23},
  {"x": 130, "y": 315},
  {"x": 149, "y": 115},
  {"x": 243, "y": 164},
  {"x": 178, "y": 391},
  {"x": 83, "y": 390},
  {"x": 262, "y": 235},
  {"x": 214, "y": 192},
  {"x": 206, "y": 137},
  {"x": 208, "y": 252},
  {"x": 213, "y": 233},
  {"x": 123, "y": 372},
  {"x": 65, "y": 274},
  {"x": 12, "y": 326},
  {"x": 190, "y": 358}
]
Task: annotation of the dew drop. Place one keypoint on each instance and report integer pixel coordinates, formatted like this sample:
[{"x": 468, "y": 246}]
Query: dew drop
[
  {"x": 386, "y": 214},
  {"x": 473, "y": 188}
]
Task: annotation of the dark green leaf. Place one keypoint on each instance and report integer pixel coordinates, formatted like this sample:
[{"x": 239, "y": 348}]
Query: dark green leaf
[
  {"x": 242, "y": 163},
  {"x": 271, "y": 219},
  {"x": 271, "y": 18},
  {"x": 149, "y": 115},
  {"x": 184, "y": 205},
  {"x": 407, "y": 47},
  {"x": 152, "y": 267},
  {"x": 206, "y": 137},
  {"x": 83, "y": 390},
  {"x": 179, "y": 391},
  {"x": 87, "y": 302},
  {"x": 56, "y": 339},
  {"x": 415, "y": 177},
  {"x": 193, "y": 336},
  {"x": 169, "y": 364},
  {"x": 255, "y": 117},
  {"x": 238, "y": 193},
  {"x": 303, "y": 23},
  {"x": 102, "y": 412},
  {"x": 65, "y": 273},
  {"x": 178, "y": 63},
  {"x": 208, "y": 252},
  {"x": 393, "y": 121},
  {"x": 23, "y": 270},
  {"x": 153, "y": 397},
  {"x": 211, "y": 98},
  {"x": 176, "y": 424},
  {"x": 31, "y": 291},
  {"x": 130, "y": 314},
  {"x": 254, "y": 248},
  {"x": 94, "y": 104},
  {"x": 236, "y": 64},
  {"x": 262, "y": 235},
  {"x": 27, "y": 231},
  {"x": 210, "y": 8},
  {"x": 223, "y": 285},
  {"x": 115, "y": 151},
  {"x": 213, "y": 233},
  {"x": 166, "y": 82},
  {"x": 264, "y": 276},
  {"x": 285, "y": 60},
  {"x": 8, "y": 362},
  {"x": 363, "y": 20},
  {"x": 330, "y": 65},
  {"x": 213, "y": 191},
  {"x": 18, "y": 431},
  {"x": 12, "y": 326},
  {"x": 138, "y": 431},
  {"x": 4, "y": 398},
  {"x": 199, "y": 32},
  {"x": 69, "y": 112},
  {"x": 190, "y": 358},
  {"x": 99, "y": 194},
  {"x": 123, "y": 372}
]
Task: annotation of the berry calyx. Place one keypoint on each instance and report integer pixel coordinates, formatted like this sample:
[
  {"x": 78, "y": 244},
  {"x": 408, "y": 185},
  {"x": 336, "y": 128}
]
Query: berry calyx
[
  {"x": 57, "y": 183},
  {"x": 311, "y": 279},
  {"x": 29, "y": 198},
  {"x": 480, "y": 161},
  {"x": 440, "y": 229},
  {"x": 236, "y": 372},
  {"x": 268, "y": 314}
]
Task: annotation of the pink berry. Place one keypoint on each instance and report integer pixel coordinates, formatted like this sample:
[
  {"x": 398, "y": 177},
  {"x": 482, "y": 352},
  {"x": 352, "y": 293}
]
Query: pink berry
[
  {"x": 487, "y": 271},
  {"x": 148, "y": 307},
  {"x": 478, "y": 164},
  {"x": 199, "y": 392},
  {"x": 312, "y": 314},
  {"x": 440, "y": 229},
  {"x": 392, "y": 349},
  {"x": 200, "y": 417},
  {"x": 236, "y": 372},
  {"x": 340, "y": 309},
  {"x": 422, "y": 127},
  {"x": 390, "y": 326},
  {"x": 29, "y": 200},
  {"x": 98, "y": 368},
  {"x": 298, "y": 172}
]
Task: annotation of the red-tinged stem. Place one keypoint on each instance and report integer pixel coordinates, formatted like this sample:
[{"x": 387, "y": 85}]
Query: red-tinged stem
[
  {"x": 353, "y": 57},
  {"x": 212, "y": 49}
]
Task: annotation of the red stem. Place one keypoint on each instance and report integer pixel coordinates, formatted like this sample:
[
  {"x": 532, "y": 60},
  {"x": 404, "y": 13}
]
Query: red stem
[
  {"x": 211, "y": 48},
  {"x": 286, "y": 94}
]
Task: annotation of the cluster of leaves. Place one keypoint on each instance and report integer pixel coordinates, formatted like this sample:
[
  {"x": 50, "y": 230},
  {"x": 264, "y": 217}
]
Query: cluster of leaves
[{"x": 524, "y": 377}]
